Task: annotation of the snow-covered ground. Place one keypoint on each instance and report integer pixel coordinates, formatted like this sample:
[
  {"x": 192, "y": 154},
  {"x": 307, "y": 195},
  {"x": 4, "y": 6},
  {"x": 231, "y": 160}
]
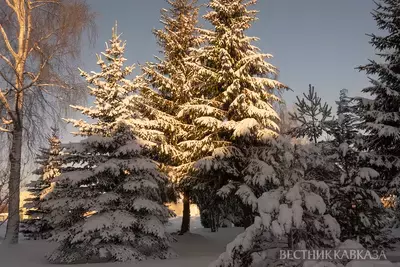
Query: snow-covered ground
[{"x": 197, "y": 249}]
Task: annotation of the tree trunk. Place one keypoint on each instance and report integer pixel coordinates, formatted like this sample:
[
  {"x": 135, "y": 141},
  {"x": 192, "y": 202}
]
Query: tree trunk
[
  {"x": 213, "y": 223},
  {"x": 290, "y": 240},
  {"x": 185, "y": 227},
  {"x": 248, "y": 216},
  {"x": 14, "y": 187},
  {"x": 217, "y": 221},
  {"x": 12, "y": 231}
]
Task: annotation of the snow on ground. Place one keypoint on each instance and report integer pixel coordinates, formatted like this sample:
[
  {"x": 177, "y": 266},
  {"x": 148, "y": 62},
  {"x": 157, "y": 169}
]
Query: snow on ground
[
  {"x": 175, "y": 223},
  {"x": 196, "y": 249}
]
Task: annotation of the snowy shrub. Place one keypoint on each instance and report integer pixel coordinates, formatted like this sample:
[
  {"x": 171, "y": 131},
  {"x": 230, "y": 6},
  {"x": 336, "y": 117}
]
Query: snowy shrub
[{"x": 292, "y": 209}]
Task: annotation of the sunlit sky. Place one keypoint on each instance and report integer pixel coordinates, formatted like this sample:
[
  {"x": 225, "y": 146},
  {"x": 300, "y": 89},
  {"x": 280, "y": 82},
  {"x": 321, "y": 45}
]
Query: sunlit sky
[{"x": 312, "y": 41}]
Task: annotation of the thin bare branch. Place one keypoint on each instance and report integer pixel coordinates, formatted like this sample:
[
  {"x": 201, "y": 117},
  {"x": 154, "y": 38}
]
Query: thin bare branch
[
  {"x": 38, "y": 4},
  {"x": 7, "y": 61},
  {"x": 37, "y": 76},
  {"x": 5, "y": 103},
  {"x": 7, "y": 42},
  {"x": 12, "y": 6},
  {"x": 7, "y": 80},
  {"x": 4, "y": 130}
]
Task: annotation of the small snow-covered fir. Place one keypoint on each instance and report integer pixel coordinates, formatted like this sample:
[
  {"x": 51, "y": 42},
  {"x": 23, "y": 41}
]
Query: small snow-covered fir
[
  {"x": 290, "y": 203},
  {"x": 355, "y": 204},
  {"x": 37, "y": 226},
  {"x": 311, "y": 116}
]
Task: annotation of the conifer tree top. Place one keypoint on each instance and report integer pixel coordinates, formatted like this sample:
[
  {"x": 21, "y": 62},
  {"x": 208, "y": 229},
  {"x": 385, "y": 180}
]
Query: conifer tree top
[
  {"x": 235, "y": 76},
  {"x": 232, "y": 13},
  {"x": 110, "y": 87}
]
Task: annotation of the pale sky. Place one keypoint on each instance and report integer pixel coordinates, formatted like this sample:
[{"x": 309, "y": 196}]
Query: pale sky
[{"x": 312, "y": 41}]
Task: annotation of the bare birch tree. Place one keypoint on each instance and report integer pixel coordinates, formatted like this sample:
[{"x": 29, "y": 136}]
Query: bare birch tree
[{"x": 39, "y": 41}]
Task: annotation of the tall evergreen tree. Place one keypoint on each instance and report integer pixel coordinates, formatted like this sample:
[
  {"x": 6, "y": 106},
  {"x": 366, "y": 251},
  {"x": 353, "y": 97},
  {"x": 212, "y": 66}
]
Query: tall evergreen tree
[
  {"x": 312, "y": 115},
  {"x": 355, "y": 204},
  {"x": 232, "y": 103},
  {"x": 381, "y": 115},
  {"x": 107, "y": 203},
  {"x": 169, "y": 85},
  {"x": 37, "y": 226}
]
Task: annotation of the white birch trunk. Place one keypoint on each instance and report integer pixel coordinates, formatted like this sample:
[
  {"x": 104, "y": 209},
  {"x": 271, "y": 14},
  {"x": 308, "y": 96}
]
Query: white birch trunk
[{"x": 12, "y": 231}]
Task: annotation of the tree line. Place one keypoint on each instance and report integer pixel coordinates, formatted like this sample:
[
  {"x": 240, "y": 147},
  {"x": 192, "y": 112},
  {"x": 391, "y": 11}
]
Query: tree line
[{"x": 201, "y": 121}]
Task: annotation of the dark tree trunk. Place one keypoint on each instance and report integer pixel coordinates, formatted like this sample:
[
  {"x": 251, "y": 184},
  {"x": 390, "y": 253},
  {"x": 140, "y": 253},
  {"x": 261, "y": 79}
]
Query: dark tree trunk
[
  {"x": 248, "y": 217},
  {"x": 213, "y": 222},
  {"x": 185, "y": 227},
  {"x": 290, "y": 240}
]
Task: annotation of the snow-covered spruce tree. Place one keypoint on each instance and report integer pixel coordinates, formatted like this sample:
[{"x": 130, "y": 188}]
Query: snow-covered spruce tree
[
  {"x": 37, "y": 226},
  {"x": 355, "y": 204},
  {"x": 381, "y": 115},
  {"x": 311, "y": 116},
  {"x": 291, "y": 211},
  {"x": 168, "y": 86},
  {"x": 107, "y": 205},
  {"x": 232, "y": 102}
]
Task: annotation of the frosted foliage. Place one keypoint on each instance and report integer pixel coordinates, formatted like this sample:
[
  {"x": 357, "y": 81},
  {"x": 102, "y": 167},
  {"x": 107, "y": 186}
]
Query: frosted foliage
[
  {"x": 353, "y": 198},
  {"x": 297, "y": 214},
  {"x": 110, "y": 87},
  {"x": 294, "y": 193},
  {"x": 247, "y": 196},
  {"x": 106, "y": 205},
  {"x": 269, "y": 202},
  {"x": 75, "y": 177},
  {"x": 167, "y": 85},
  {"x": 315, "y": 202},
  {"x": 227, "y": 152},
  {"x": 242, "y": 243},
  {"x": 294, "y": 203},
  {"x": 380, "y": 110},
  {"x": 111, "y": 221},
  {"x": 367, "y": 173},
  {"x": 232, "y": 104},
  {"x": 332, "y": 225},
  {"x": 238, "y": 68},
  {"x": 285, "y": 217},
  {"x": 118, "y": 211},
  {"x": 245, "y": 128},
  {"x": 37, "y": 226},
  {"x": 276, "y": 228},
  {"x": 265, "y": 173}
]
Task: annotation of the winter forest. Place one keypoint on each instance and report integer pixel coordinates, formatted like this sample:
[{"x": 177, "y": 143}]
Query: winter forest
[{"x": 204, "y": 124}]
